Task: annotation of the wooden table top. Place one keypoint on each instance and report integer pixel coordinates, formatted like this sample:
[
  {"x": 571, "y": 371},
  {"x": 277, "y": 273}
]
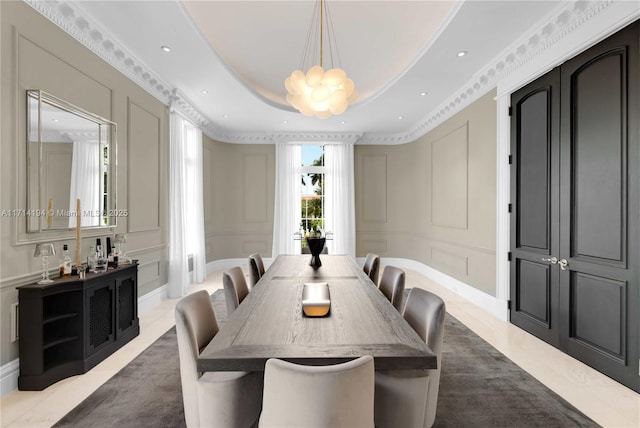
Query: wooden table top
[{"x": 269, "y": 323}]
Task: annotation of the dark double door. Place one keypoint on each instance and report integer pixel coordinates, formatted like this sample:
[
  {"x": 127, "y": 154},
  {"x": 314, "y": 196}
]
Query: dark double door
[{"x": 575, "y": 207}]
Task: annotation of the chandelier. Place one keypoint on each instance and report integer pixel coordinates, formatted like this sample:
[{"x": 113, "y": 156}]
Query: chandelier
[{"x": 320, "y": 93}]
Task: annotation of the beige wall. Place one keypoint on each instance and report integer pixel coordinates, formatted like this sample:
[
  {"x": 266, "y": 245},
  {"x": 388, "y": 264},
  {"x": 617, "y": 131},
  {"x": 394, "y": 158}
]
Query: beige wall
[
  {"x": 434, "y": 200},
  {"x": 239, "y": 186},
  {"x": 38, "y": 55}
]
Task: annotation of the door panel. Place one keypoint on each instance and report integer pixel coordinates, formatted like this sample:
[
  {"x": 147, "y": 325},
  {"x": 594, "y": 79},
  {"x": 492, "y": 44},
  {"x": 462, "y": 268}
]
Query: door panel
[
  {"x": 598, "y": 157},
  {"x": 533, "y": 296},
  {"x": 534, "y": 195},
  {"x": 588, "y": 303},
  {"x": 599, "y": 209},
  {"x": 533, "y": 174},
  {"x": 598, "y": 314}
]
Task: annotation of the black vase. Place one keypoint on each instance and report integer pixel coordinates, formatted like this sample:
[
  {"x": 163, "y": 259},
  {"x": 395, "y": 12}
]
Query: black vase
[{"x": 315, "y": 246}]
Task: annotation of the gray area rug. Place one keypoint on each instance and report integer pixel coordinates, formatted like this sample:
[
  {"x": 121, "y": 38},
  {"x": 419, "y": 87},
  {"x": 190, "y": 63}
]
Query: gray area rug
[{"x": 479, "y": 387}]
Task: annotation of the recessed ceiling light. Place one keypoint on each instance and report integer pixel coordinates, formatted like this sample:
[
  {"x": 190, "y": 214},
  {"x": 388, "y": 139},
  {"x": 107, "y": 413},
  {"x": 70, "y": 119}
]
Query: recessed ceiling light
[
  {"x": 226, "y": 115},
  {"x": 462, "y": 53},
  {"x": 422, "y": 94},
  {"x": 205, "y": 92},
  {"x": 284, "y": 121},
  {"x": 400, "y": 118},
  {"x": 56, "y": 120},
  {"x": 342, "y": 122},
  {"x": 165, "y": 48}
]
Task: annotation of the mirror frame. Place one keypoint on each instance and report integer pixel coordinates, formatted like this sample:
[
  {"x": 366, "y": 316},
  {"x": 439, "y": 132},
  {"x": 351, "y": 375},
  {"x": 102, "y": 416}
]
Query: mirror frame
[{"x": 38, "y": 216}]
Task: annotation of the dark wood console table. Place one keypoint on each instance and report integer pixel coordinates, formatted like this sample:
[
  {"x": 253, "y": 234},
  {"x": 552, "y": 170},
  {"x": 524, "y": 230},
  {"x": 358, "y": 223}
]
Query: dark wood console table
[{"x": 69, "y": 326}]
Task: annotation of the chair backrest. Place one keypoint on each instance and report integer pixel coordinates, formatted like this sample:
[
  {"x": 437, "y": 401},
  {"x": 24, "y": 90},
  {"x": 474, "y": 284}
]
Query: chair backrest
[
  {"x": 256, "y": 269},
  {"x": 235, "y": 288},
  {"x": 392, "y": 285},
  {"x": 425, "y": 312},
  {"x": 371, "y": 267},
  {"x": 196, "y": 325},
  {"x": 334, "y": 396}
]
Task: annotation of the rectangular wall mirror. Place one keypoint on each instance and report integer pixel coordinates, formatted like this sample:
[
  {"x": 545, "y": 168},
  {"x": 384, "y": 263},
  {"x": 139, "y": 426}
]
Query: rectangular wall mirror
[{"x": 71, "y": 155}]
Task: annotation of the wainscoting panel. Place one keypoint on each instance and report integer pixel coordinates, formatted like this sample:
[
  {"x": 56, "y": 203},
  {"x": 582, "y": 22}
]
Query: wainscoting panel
[
  {"x": 454, "y": 262},
  {"x": 152, "y": 268},
  {"x": 374, "y": 187},
  {"x": 377, "y": 246},
  {"x": 449, "y": 179},
  {"x": 251, "y": 247},
  {"x": 144, "y": 169},
  {"x": 255, "y": 188},
  {"x": 473, "y": 265}
]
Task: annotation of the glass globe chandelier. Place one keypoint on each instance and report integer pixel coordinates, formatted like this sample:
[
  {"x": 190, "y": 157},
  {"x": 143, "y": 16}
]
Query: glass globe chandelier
[{"x": 318, "y": 92}]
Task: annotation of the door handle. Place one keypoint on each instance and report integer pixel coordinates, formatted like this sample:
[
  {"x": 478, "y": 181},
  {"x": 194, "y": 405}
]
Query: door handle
[
  {"x": 563, "y": 264},
  {"x": 553, "y": 260}
]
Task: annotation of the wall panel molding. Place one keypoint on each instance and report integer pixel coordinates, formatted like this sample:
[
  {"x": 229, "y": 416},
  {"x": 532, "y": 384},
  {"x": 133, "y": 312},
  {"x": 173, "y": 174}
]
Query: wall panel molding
[
  {"x": 255, "y": 246},
  {"x": 207, "y": 161},
  {"x": 374, "y": 245},
  {"x": 255, "y": 178},
  {"x": 420, "y": 236},
  {"x": 144, "y": 206},
  {"x": 374, "y": 189},
  {"x": 450, "y": 179},
  {"x": 456, "y": 262}
]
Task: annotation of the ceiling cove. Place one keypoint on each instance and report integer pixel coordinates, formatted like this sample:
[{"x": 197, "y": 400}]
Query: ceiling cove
[{"x": 558, "y": 24}]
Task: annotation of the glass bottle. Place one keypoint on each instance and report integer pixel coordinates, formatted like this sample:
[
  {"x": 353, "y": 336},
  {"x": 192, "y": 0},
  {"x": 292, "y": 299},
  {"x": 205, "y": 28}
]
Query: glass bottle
[
  {"x": 101, "y": 263},
  {"x": 92, "y": 259},
  {"x": 65, "y": 268}
]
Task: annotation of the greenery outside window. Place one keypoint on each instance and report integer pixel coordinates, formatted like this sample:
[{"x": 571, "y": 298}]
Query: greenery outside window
[{"x": 312, "y": 193}]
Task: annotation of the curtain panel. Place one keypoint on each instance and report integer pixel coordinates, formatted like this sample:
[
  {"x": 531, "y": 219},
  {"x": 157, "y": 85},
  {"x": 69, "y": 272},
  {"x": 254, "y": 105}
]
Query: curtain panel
[
  {"x": 186, "y": 214},
  {"x": 287, "y": 205},
  {"x": 340, "y": 198}
]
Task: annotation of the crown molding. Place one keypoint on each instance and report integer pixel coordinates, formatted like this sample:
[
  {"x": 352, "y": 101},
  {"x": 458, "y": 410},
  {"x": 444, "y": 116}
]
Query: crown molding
[
  {"x": 71, "y": 18},
  {"x": 556, "y": 26},
  {"x": 285, "y": 137}
]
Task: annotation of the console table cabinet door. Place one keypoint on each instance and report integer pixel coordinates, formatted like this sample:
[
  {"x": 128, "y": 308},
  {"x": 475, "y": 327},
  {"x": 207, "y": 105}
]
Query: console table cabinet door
[{"x": 99, "y": 317}]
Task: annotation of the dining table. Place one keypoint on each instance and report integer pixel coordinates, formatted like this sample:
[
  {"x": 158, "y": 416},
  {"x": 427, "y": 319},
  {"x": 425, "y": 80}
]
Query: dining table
[{"x": 270, "y": 322}]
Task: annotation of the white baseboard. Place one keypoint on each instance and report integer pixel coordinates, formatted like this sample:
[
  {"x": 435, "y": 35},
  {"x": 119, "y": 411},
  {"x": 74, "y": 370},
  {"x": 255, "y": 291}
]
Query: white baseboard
[
  {"x": 152, "y": 299},
  {"x": 9, "y": 376},
  {"x": 491, "y": 304}
]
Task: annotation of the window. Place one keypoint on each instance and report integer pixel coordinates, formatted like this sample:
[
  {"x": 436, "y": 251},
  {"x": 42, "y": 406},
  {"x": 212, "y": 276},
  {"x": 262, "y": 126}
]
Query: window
[{"x": 312, "y": 193}]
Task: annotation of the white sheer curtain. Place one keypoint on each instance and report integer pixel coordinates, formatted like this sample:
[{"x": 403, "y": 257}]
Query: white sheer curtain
[
  {"x": 340, "y": 198},
  {"x": 178, "y": 258},
  {"x": 86, "y": 184},
  {"x": 195, "y": 223},
  {"x": 286, "y": 217},
  {"x": 186, "y": 216}
]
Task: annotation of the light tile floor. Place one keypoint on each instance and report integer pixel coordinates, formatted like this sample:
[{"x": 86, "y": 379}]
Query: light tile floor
[{"x": 605, "y": 401}]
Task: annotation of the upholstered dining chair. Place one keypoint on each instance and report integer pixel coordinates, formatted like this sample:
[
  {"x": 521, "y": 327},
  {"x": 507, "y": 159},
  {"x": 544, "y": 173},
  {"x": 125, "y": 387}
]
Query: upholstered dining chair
[
  {"x": 408, "y": 398},
  {"x": 392, "y": 286},
  {"x": 371, "y": 267},
  {"x": 256, "y": 269},
  {"x": 335, "y": 396},
  {"x": 235, "y": 288},
  {"x": 211, "y": 399}
]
